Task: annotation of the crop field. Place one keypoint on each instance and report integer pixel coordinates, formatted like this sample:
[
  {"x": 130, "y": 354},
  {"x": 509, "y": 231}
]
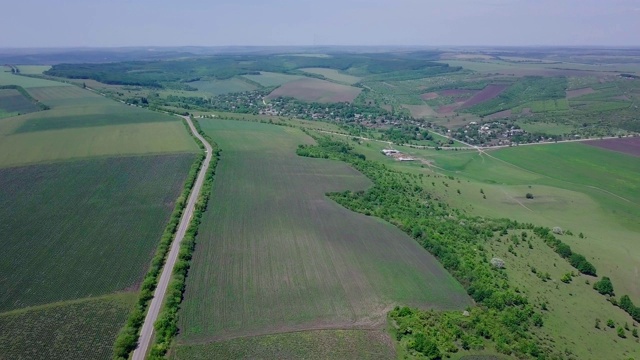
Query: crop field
[
  {"x": 420, "y": 111},
  {"x": 33, "y": 69},
  {"x": 485, "y": 94},
  {"x": 315, "y": 90},
  {"x": 219, "y": 87},
  {"x": 82, "y": 124},
  {"x": 14, "y": 103},
  {"x": 312, "y": 345},
  {"x": 7, "y": 78},
  {"x": 627, "y": 145},
  {"x": 83, "y": 228},
  {"x": 334, "y": 75},
  {"x": 269, "y": 79},
  {"x": 82, "y": 329},
  {"x": 309, "y": 265}
]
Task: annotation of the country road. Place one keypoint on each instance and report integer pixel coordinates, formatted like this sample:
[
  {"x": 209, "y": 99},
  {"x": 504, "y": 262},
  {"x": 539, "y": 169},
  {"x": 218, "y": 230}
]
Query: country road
[{"x": 158, "y": 296}]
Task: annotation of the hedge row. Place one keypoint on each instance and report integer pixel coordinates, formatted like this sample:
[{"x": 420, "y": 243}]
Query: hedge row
[
  {"x": 127, "y": 339},
  {"x": 24, "y": 93},
  {"x": 576, "y": 260},
  {"x": 166, "y": 326}
]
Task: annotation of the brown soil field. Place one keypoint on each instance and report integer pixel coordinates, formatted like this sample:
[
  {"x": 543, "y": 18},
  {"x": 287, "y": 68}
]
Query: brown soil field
[
  {"x": 316, "y": 90},
  {"x": 458, "y": 92},
  {"x": 628, "y": 145},
  {"x": 447, "y": 109},
  {"x": 429, "y": 96},
  {"x": 488, "y": 93},
  {"x": 499, "y": 115},
  {"x": 579, "y": 92}
]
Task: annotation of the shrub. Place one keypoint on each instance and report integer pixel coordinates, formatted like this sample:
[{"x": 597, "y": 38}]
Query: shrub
[
  {"x": 604, "y": 286},
  {"x": 529, "y": 196}
]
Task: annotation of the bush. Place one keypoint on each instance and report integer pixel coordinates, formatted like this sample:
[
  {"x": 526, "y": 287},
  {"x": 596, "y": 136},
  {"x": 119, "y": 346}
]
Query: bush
[
  {"x": 529, "y": 196},
  {"x": 604, "y": 286}
]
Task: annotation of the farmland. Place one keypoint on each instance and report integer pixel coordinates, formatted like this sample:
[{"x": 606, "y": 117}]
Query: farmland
[
  {"x": 81, "y": 329},
  {"x": 570, "y": 192},
  {"x": 269, "y": 79},
  {"x": 82, "y": 124},
  {"x": 334, "y": 75},
  {"x": 75, "y": 228},
  {"x": 14, "y": 103},
  {"x": 313, "y": 345},
  {"x": 629, "y": 146},
  {"x": 314, "y": 90},
  {"x": 310, "y": 265},
  {"x": 218, "y": 87}
]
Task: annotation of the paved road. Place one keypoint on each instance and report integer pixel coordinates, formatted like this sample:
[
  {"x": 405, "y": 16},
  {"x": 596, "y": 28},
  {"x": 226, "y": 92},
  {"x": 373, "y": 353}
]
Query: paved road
[{"x": 154, "y": 309}]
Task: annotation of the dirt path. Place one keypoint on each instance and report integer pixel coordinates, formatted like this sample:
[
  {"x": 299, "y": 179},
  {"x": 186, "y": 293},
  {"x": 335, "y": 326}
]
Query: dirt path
[{"x": 146, "y": 333}]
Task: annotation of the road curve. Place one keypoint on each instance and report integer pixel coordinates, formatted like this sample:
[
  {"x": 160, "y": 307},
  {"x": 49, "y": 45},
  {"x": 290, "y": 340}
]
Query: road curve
[{"x": 146, "y": 333}]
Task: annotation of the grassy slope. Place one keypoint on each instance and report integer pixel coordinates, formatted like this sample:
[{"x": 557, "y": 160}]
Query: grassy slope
[
  {"x": 219, "y": 87},
  {"x": 83, "y": 124},
  {"x": 610, "y": 241},
  {"x": 82, "y": 329},
  {"x": 82, "y": 228},
  {"x": 274, "y": 254}
]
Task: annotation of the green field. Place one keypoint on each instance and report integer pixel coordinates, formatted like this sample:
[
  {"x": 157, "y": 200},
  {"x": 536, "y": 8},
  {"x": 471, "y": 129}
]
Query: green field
[
  {"x": 312, "y": 345},
  {"x": 309, "y": 265},
  {"x": 219, "y": 87},
  {"x": 33, "y": 69},
  {"x": 573, "y": 187},
  {"x": 7, "y": 78},
  {"x": 82, "y": 124},
  {"x": 569, "y": 184},
  {"x": 269, "y": 79},
  {"x": 13, "y": 103},
  {"x": 82, "y": 329},
  {"x": 334, "y": 75},
  {"x": 83, "y": 228}
]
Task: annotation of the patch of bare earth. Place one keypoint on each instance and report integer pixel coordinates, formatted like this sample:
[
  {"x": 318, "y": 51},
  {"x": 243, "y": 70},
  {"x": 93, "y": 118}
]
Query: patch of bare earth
[
  {"x": 429, "y": 96},
  {"x": 579, "y": 92},
  {"x": 458, "y": 92},
  {"x": 628, "y": 145},
  {"x": 488, "y": 93}
]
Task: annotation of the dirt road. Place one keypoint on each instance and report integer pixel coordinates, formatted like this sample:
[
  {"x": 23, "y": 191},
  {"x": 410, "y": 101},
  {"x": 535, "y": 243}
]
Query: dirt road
[{"x": 156, "y": 303}]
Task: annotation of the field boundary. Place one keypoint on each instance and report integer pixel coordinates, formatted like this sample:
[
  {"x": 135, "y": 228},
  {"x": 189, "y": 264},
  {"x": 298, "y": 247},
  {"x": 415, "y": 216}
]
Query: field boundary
[
  {"x": 127, "y": 339},
  {"x": 174, "y": 274}
]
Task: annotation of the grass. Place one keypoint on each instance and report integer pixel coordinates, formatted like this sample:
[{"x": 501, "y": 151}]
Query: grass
[
  {"x": 7, "y": 78},
  {"x": 560, "y": 177},
  {"x": 269, "y": 79},
  {"x": 33, "y": 69},
  {"x": 84, "y": 228},
  {"x": 319, "y": 344},
  {"x": 334, "y": 75},
  {"x": 82, "y": 124},
  {"x": 572, "y": 308},
  {"x": 315, "y": 90},
  {"x": 219, "y": 87},
  {"x": 273, "y": 254},
  {"x": 14, "y": 103},
  {"x": 82, "y": 329}
]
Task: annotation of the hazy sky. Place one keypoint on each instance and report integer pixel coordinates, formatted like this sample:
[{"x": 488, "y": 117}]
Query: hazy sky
[{"x": 49, "y": 23}]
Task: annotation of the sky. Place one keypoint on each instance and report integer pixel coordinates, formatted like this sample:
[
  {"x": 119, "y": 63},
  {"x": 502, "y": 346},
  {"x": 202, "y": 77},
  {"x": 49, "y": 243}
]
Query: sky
[{"x": 114, "y": 23}]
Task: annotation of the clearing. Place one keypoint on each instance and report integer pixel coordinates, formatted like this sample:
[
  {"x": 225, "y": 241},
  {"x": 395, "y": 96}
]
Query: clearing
[{"x": 275, "y": 255}]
